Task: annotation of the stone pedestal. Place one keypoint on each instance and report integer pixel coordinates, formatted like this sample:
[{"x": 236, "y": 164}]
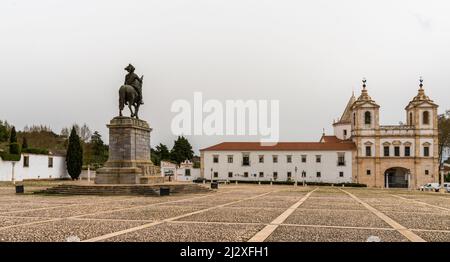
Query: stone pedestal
[{"x": 129, "y": 154}]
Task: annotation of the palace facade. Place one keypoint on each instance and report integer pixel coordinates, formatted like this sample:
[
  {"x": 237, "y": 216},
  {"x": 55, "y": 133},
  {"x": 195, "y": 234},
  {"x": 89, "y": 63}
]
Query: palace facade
[{"x": 360, "y": 151}]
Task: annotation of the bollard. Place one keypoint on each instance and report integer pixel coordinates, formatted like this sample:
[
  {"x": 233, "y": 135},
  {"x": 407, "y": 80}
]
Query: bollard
[
  {"x": 270, "y": 182},
  {"x": 236, "y": 182},
  {"x": 259, "y": 182}
]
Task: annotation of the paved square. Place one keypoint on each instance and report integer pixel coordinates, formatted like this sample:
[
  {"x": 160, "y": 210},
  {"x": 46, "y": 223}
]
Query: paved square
[{"x": 233, "y": 213}]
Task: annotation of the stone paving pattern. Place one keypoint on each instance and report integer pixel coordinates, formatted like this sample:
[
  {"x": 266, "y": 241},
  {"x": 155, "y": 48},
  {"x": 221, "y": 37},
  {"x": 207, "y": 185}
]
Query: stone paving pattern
[{"x": 233, "y": 213}]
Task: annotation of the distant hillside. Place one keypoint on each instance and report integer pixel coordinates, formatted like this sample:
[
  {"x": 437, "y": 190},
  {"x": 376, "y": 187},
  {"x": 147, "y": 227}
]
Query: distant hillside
[{"x": 44, "y": 139}]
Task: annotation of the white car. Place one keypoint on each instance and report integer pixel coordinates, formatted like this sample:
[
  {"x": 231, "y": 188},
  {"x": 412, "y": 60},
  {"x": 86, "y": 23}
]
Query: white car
[
  {"x": 430, "y": 186},
  {"x": 447, "y": 187}
]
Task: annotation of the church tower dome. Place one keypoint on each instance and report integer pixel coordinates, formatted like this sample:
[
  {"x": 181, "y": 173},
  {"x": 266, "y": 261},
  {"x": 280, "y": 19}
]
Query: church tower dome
[
  {"x": 365, "y": 111},
  {"x": 421, "y": 110}
]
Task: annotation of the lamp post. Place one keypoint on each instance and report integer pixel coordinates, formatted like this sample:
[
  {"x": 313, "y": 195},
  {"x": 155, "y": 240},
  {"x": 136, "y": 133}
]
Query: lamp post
[
  {"x": 211, "y": 175},
  {"x": 296, "y": 176},
  {"x": 303, "y": 175}
]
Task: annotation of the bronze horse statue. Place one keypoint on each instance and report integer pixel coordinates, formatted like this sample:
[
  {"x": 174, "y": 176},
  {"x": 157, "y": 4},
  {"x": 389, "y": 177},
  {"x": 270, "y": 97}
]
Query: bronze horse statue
[{"x": 128, "y": 95}]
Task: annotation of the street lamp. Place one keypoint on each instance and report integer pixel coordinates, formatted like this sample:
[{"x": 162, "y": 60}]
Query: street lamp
[
  {"x": 303, "y": 175},
  {"x": 211, "y": 175},
  {"x": 296, "y": 176}
]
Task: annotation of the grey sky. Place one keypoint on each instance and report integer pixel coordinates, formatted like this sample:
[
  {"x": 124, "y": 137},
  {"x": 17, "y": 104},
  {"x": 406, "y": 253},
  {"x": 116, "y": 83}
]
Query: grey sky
[{"x": 62, "y": 61}]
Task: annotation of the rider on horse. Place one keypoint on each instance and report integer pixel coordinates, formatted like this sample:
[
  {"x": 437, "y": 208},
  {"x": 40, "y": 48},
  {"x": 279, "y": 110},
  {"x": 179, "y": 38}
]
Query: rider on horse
[{"x": 133, "y": 80}]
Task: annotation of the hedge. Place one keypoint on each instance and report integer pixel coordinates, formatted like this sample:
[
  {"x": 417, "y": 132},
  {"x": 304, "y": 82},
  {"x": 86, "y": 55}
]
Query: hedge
[
  {"x": 9, "y": 157},
  {"x": 292, "y": 183},
  {"x": 37, "y": 151}
]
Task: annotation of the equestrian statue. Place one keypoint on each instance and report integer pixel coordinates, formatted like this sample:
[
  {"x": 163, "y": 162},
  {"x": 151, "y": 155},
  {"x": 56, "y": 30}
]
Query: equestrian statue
[{"x": 131, "y": 92}]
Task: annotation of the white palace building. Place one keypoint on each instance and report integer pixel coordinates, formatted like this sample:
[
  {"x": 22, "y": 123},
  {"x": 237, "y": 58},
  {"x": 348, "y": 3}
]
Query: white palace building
[{"x": 360, "y": 151}]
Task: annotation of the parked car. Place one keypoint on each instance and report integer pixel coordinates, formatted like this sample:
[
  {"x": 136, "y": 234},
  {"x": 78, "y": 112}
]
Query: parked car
[
  {"x": 447, "y": 187},
  {"x": 430, "y": 187},
  {"x": 199, "y": 180}
]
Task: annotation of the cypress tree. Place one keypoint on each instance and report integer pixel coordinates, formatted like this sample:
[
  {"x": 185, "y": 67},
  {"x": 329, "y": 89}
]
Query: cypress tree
[
  {"x": 74, "y": 156},
  {"x": 13, "y": 146},
  {"x": 24, "y": 143}
]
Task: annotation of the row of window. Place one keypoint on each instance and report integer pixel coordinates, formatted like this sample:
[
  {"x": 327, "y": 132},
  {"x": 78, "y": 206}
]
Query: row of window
[
  {"x": 26, "y": 161},
  {"x": 275, "y": 174},
  {"x": 246, "y": 159},
  {"x": 407, "y": 151}
]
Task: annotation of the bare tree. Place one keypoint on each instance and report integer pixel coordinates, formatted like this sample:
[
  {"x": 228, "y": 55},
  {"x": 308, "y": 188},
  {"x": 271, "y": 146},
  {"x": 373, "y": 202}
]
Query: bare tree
[
  {"x": 444, "y": 135},
  {"x": 85, "y": 133}
]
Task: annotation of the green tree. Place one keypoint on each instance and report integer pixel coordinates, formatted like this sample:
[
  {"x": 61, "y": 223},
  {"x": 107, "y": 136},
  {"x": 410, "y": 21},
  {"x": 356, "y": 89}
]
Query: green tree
[
  {"x": 13, "y": 145},
  {"x": 159, "y": 154},
  {"x": 24, "y": 143},
  {"x": 181, "y": 150},
  {"x": 74, "y": 156},
  {"x": 444, "y": 134},
  {"x": 99, "y": 149},
  {"x": 4, "y": 131}
]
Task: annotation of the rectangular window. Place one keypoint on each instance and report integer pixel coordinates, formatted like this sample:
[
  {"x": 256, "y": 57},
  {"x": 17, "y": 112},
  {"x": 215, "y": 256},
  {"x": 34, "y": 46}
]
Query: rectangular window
[
  {"x": 345, "y": 133},
  {"x": 426, "y": 151},
  {"x": 50, "y": 162},
  {"x": 303, "y": 158},
  {"x": 386, "y": 151},
  {"x": 245, "y": 174},
  {"x": 230, "y": 174},
  {"x": 368, "y": 172},
  {"x": 427, "y": 172},
  {"x": 187, "y": 172},
  {"x": 341, "y": 159},
  {"x": 397, "y": 151},
  {"x": 407, "y": 151},
  {"x": 289, "y": 175},
  {"x": 26, "y": 161},
  {"x": 318, "y": 174},
  {"x": 261, "y": 174},
  {"x": 341, "y": 174},
  {"x": 275, "y": 175},
  {"x": 368, "y": 151},
  {"x": 246, "y": 160},
  {"x": 275, "y": 158},
  {"x": 318, "y": 158},
  {"x": 216, "y": 174},
  {"x": 230, "y": 159},
  {"x": 216, "y": 159},
  {"x": 289, "y": 158},
  {"x": 261, "y": 159},
  {"x": 304, "y": 174}
]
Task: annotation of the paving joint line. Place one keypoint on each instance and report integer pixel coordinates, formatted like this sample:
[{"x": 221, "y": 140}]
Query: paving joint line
[
  {"x": 420, "y": 202},
  {"x": 95, "y": 213},
  {"x": 157, "y": 222},
  {"x": 264, "y": 233},
  {"x": 394, "y": 224}
]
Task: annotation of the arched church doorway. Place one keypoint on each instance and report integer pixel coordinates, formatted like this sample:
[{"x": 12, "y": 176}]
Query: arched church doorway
[{"x": 396, "y": 177}]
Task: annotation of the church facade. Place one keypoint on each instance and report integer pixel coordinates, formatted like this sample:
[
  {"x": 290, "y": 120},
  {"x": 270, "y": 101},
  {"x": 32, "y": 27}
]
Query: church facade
[{"x": 360, "y": 151}]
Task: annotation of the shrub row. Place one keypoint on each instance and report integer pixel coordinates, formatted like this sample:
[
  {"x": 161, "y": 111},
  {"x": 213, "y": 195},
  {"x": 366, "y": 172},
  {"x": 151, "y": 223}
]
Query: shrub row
[
  {"x": 37, "y": 151},
  {"x": 292, "y": 183},
  {"x": 9, "y": 157}
]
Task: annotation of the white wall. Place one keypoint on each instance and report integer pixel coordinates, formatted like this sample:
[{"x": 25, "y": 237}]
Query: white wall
[
  {"x": 328, "y": 166},
  {"x": 339, "y": 131},
  {"x": 37, "y": 169},
  {"x": 195, "y": 173}
]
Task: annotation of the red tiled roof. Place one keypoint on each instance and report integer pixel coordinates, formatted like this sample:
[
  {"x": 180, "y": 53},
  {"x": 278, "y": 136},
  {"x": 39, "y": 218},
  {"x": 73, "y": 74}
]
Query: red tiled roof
[
  {"x": 281, "y": 146},
  {"x": 330, "y": 139}
]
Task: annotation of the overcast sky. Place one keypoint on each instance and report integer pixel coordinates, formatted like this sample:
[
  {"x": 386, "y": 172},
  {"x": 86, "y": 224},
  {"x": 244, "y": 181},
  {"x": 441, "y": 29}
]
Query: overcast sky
[{"x": 62, "y": 62}]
